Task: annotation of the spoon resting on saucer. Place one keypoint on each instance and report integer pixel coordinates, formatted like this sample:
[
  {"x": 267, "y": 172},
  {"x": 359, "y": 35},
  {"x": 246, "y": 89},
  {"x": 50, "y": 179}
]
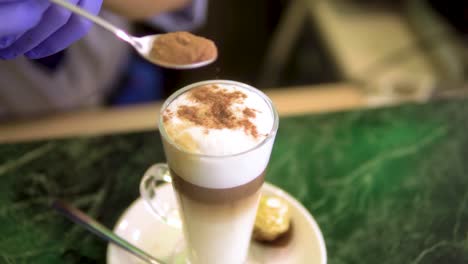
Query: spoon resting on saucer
[{"x": 80, "y": 218}]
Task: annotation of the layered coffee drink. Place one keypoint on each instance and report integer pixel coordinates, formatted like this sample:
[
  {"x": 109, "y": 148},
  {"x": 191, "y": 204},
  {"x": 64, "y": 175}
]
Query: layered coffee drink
[{"x": 218, "y": 136}]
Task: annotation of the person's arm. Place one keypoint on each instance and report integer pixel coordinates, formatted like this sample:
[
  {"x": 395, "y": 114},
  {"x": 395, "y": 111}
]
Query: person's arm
[{"x": 143, "y": 9}]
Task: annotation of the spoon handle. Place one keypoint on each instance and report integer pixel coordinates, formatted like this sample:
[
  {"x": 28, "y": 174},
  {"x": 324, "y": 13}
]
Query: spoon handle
[
  {"x": 96, "y": 19},
  {"x": 103, "y": 232}
]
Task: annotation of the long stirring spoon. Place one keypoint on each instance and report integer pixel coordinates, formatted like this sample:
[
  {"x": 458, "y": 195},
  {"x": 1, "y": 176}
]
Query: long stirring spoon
[
  {"x": 103, "y": 232},
  {"x": 143, "y": 45}
]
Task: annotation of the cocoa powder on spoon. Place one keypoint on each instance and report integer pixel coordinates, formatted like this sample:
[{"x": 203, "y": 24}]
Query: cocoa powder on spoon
[{"x": 183, "y": 48}]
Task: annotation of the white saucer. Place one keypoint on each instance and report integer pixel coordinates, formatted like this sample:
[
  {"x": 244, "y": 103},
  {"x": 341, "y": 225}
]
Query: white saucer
[{"x": 139, "y": 226}]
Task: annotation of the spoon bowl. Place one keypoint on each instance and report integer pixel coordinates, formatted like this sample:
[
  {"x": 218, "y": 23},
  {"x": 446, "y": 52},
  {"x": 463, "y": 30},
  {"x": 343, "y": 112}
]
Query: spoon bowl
[{"x": 144, "y": 45}]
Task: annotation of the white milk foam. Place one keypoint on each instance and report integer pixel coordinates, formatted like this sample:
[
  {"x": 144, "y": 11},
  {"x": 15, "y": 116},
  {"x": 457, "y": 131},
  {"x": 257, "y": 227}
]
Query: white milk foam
[
  {"x": 227, "y": 169},
  {"x": 221, "y": 142}
]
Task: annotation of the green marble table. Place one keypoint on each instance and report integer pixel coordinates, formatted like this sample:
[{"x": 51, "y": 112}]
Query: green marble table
[{"x": 386, "y": 186}]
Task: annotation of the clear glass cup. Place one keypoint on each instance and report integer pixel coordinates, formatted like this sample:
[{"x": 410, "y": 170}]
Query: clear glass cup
[{"x": 217, "y": 222}]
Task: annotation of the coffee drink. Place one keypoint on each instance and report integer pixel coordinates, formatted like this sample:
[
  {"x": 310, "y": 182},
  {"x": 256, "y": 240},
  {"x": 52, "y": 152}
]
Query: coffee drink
[{"x": 218, "y": 136}]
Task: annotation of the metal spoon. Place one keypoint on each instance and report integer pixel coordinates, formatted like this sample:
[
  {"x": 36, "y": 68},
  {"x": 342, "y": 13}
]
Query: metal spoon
[
  {"x": 103, "y": 232},
  {"x": 141, "y": 44}
]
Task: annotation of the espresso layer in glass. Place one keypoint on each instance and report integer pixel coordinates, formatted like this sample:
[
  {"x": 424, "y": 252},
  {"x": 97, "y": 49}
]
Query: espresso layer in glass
[
  {"x": 214, "y": 195},
  {"x": 218, "y": 222}
]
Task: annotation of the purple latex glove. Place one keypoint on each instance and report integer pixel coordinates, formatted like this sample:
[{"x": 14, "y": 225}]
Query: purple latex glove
[{"x": 37, "y": 28}]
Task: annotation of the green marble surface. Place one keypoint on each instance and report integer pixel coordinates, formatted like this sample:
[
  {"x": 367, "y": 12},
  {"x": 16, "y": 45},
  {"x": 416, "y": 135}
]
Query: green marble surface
[{"x": 386, "y": 186}]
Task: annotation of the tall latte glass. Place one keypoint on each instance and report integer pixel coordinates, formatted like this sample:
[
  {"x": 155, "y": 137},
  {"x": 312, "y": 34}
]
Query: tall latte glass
[{"x": 217, "y": 137}]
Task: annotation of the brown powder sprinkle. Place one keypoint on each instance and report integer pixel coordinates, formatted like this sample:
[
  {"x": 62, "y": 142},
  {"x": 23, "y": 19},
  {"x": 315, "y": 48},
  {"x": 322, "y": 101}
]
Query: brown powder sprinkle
[
  {"x": 167, "y": 115},
  {"x": 191, "y": 113},
  {"x": 249, "y": 112},
  {"x": 214, "y": 110}
]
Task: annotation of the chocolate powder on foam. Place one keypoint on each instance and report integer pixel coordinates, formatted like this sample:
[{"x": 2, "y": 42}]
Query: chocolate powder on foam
[
  {"x": 183, "y": 48},
  {"x": 214, "y": 110}
]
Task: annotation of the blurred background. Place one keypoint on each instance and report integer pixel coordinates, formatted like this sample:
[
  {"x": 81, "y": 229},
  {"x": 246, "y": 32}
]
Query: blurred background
[
  {"x": 390, "y": 50},
  {"x": 394, "y": 50}
]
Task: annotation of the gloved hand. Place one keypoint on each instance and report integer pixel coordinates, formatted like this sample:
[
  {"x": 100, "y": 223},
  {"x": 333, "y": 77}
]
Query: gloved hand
[{"x": 39, "y": 28}]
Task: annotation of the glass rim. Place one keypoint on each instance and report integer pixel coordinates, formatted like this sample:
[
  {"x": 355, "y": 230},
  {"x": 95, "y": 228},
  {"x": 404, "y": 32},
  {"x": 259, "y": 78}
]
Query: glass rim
[{"x": 171, "y": 98}]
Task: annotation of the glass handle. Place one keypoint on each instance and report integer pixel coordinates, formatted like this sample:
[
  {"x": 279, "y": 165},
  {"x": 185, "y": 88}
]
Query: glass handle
[{"x": 156, "y": 175}]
